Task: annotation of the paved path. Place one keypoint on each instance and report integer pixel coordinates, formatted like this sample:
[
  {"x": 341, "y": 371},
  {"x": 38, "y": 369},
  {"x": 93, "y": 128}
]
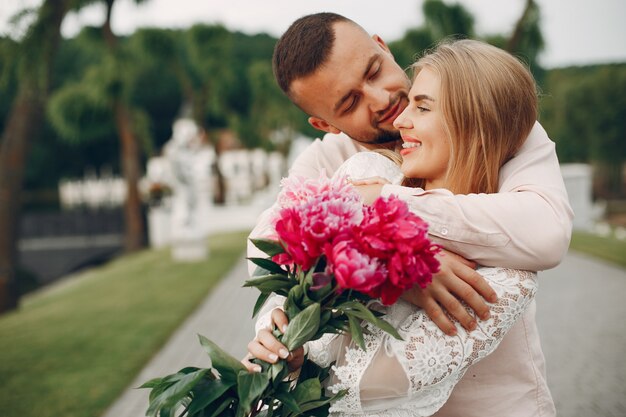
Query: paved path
[
  {"x": 581, "y": 316},
  {"x": 224, "y": 317}
]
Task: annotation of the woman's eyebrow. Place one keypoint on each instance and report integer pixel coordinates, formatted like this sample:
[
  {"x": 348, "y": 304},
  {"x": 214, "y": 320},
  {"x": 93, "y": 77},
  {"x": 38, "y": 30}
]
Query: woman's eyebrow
[{"x": 422, "y": 97}]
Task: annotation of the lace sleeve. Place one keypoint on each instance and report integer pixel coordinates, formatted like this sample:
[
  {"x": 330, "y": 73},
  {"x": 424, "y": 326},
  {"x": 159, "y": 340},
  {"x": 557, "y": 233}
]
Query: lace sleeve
[{"x": 428, "y": 362}]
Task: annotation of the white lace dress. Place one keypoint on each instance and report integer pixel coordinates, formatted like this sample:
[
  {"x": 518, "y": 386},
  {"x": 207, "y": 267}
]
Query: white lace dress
[{"x": 415, "y": 376}]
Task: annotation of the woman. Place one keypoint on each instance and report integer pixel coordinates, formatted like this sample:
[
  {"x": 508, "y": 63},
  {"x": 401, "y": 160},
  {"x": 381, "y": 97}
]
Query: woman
[{"x": 470, "y": 108}]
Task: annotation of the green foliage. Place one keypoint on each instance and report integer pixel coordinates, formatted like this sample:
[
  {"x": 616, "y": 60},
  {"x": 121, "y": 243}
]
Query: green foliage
[
  {"x": 409, "y": 49},
  {"x": 79, "y": 114},
  {"x": 247, "y": 394},
  {"x": 584, "y": 110},
  {"x": 72, "y": 350},
  {"x": 443, "y": 20}
]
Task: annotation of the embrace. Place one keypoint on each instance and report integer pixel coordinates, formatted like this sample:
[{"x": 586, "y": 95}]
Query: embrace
[{"x": 461, "y": 145}]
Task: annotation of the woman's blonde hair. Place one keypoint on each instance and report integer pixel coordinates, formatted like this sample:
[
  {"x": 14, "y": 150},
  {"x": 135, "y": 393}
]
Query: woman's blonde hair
[{"x": 489, "y": 103}]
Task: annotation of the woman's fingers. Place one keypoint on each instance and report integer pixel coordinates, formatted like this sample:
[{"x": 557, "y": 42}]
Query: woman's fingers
[
  {"x": 280, "y": 320},
  {"x": 267, "y": 348},
  {"x": 251, "y": 367}
]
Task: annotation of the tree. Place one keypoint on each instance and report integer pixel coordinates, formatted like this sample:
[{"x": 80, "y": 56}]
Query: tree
[
  {"x": 126, "y": 122},
  {"x": 441, "y": 21},
  {"x": 594, "y": 119},
  {"x": 526, "y": 40},
  {"x": 35, "y": 56}
]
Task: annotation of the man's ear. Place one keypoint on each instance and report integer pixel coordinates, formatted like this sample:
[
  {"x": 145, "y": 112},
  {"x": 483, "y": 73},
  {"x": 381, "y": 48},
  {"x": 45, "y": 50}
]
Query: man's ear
[
  {"x": 381, "y": 43},
  {"x": 323, "y": 125}
]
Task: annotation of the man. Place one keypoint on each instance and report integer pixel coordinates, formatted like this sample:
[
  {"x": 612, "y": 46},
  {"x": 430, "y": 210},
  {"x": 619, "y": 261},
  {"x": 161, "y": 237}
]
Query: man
[{"x": 352, "y": 88}]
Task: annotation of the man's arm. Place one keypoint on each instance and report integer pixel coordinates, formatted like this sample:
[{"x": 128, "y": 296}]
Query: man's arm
[{"x": 526, "y": 225}]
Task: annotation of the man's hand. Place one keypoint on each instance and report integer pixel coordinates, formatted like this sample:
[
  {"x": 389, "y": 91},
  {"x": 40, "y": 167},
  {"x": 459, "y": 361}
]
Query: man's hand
[
  {"x": 455, "y": 280},
  {"x": 267, "y": 348}
]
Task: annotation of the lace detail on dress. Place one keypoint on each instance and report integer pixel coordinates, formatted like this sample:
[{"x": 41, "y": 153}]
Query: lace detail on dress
[{"x": 432, "y": 361}]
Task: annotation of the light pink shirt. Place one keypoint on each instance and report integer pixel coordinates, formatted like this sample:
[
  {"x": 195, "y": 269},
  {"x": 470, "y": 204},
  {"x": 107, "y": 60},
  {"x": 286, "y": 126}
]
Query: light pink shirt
[{"x": 526, "y": 225}]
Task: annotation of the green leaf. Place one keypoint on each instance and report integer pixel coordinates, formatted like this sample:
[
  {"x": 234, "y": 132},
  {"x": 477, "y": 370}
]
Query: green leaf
[
  {"x": 302, "y": 327},
  {"x": 205, "y": 395},
  {"x": 153, "y": 383},
  {"x": 256, "y": 281},
  {"x": 382, "y": 324},
  {"x": 250, "y": 385},
  {"x": 259, "y": 303},
  {"x": 355, "y": 330},
  {"x": 320, "y": 407},
  {"x": 267, "y": 264},
  {"x": 362, "y": 312},
  {"x": 176, "y": 392},
  {"x": 221, "y": 406},
  {"x": 277, "y": 371},
  {"x": 288, "y": 401},
  {"x": 267, "y": 246},
  {"x": 309, "y": 390},
  {"x": 226, "y": 365},
  {"x": 271, "y": 283}
]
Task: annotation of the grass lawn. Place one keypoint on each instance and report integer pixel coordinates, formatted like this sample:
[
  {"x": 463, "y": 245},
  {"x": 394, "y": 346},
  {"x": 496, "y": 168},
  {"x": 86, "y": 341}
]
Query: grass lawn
[
  {"x": 71, "y": 350},
  {"x": 607, "y": 248}
]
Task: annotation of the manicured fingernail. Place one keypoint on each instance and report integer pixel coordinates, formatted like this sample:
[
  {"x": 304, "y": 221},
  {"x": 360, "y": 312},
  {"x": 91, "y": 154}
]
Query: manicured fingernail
[
  {"x": 472, "y": 325},
  {"x": 485, "y": 316},
  {"x": 284, "y": 328},
  {"x": 283, "y": 353},
  {"x": 452, "y": 332},
  {"x": 257, "y": 368},
  {"x": 273, "y": 357}
]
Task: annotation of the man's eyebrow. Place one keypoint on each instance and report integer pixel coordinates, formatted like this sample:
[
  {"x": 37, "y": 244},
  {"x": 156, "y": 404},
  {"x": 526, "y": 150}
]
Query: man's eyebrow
[
  {"x": 368, "y": 67},
  {"x": 422, "y": 97}
]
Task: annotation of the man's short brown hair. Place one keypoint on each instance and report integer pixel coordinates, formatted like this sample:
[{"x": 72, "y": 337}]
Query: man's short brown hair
[{"x": 304, "y": 47}]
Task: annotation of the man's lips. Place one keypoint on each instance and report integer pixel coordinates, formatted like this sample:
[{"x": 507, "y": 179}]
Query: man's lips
[{"x": 392, "y": 113}]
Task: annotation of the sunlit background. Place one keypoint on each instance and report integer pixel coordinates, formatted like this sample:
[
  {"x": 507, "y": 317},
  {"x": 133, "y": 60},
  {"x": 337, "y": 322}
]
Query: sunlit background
[{"x": 137, "y": 152}]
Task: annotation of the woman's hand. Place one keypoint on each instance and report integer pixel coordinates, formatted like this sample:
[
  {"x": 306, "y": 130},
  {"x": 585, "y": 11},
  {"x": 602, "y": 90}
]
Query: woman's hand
[
  {"x": 369, "y": 188},
  {"x": 267, "y": 348}
]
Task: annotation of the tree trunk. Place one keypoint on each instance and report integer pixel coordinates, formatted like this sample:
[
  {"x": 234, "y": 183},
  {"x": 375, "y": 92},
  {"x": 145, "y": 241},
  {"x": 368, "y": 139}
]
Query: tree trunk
[
  {"x": 23, "y": 124},
  {"x": 130, "y": 156},
  {"x": 513, "y": 43},
  {"x": 131, "y": 169}
]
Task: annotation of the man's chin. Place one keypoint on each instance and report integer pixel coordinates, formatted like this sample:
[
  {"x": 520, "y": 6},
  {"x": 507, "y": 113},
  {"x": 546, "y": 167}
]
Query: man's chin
[{"x": 386, "y": 138}]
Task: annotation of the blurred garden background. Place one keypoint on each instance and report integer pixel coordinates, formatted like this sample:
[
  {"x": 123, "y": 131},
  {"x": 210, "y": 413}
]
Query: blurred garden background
[{"x": 113, "y": 118}]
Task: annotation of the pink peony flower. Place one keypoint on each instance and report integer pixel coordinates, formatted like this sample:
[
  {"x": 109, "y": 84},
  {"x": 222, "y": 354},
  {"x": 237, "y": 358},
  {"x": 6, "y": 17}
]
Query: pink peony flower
[
  {"x": 399, "y": 240},
  {"x": 288, "y": 229},
  {"x": 354, "y": 269},
  {"x": 380, "y": 250},
  {"x": 296, "y": 190},
  {"x": 324, "y": 210}
]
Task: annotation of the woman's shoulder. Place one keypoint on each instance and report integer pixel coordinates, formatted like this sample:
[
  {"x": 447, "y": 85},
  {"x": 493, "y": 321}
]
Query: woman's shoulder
[{"x": 370, "y": 164}]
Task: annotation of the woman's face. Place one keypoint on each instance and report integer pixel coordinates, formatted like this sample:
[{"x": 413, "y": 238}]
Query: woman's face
[{"x": 426, "y": 146}]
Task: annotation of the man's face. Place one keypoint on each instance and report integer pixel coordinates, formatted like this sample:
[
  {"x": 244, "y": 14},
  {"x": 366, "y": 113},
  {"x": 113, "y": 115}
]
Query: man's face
[{"x": 360, "y": 90}]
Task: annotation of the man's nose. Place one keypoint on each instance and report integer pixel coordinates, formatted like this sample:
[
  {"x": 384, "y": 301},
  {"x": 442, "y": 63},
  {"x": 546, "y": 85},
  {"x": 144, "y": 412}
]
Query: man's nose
[{"x": 377, "y": 98}]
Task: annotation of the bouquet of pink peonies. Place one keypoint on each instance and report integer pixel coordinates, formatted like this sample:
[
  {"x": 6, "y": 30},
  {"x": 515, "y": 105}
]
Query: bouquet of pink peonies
[{"x": 330, "y": 257}]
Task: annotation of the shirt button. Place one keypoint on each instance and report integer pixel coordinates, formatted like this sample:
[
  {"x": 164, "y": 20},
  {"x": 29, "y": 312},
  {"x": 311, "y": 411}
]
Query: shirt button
[{"x": 444, "y": 231}]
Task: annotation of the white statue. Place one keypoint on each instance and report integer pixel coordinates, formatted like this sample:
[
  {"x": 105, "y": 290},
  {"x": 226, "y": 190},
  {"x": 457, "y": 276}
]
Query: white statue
[{"x": 191, "y": 161}]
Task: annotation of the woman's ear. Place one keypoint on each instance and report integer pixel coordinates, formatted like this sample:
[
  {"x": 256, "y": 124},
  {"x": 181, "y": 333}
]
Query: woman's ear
[{"x": 323, "y": 125}]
